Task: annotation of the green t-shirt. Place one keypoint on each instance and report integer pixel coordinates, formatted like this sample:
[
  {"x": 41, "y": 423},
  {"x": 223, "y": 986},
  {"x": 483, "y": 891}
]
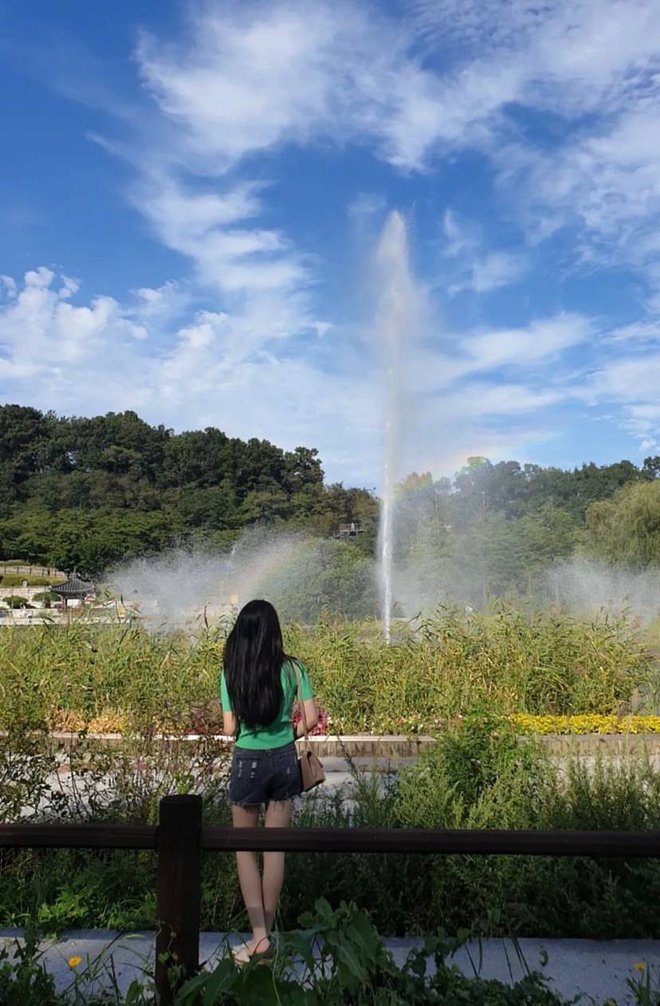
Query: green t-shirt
[{"x": 280, "y": 731}]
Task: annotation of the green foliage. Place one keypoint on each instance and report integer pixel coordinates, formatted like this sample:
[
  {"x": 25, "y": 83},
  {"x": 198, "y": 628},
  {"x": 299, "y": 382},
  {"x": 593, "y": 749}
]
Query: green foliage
[
  {"x": 449, "y": 665},
  {"x": 478, "y": 775},
  {"x": 338, "y": 958},
  {"x": 23, "y": 979},
  {"x": 626, "y": 529},
  {"x": 470, "y": 760},
  {"x": 87, "y": 492},
  {"x": 47, "y": 597},
  {"x": 324, "y": 576},
  {"x": 342, "y": 960},
  {"x": 16, "y": 601},
  {"x": 455, "y": 662}
]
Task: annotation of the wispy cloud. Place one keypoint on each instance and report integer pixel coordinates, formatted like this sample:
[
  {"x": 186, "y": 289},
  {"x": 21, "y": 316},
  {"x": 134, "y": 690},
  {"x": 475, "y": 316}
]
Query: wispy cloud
[
  {"x": 493, "y": 271},
  {"x": 540, "y": 341},
  {"x": 474, "y": 267}
]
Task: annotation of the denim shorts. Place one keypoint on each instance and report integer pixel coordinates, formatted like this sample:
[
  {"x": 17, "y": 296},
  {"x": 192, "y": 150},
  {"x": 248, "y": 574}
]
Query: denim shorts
[{"x": 261, "y": 776}]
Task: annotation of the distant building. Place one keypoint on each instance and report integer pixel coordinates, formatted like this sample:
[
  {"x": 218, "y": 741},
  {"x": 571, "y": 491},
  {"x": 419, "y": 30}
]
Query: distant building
[
  {"x": 74, "y": 591},
  {"x": 351, "y": 530}
]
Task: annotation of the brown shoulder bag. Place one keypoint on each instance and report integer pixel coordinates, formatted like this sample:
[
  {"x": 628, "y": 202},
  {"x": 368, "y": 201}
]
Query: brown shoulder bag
[{"x": 311, "y": 768}]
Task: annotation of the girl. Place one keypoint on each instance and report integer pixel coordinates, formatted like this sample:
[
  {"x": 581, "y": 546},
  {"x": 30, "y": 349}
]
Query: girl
[{"x": 258, "y": 687}]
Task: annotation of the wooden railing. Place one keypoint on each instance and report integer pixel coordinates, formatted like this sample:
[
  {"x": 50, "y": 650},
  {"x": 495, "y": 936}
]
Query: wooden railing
[{"x": 181, "y": 837}]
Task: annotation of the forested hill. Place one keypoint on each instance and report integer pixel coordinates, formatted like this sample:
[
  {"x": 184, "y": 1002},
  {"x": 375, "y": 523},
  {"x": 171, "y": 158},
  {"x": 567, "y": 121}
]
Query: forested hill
[{"x": 86, "y": 492}]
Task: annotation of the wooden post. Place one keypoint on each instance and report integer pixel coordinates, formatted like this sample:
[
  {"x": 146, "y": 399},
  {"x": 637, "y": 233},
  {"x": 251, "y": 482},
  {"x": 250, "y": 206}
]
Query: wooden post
[{"x": 178, "y": 890}]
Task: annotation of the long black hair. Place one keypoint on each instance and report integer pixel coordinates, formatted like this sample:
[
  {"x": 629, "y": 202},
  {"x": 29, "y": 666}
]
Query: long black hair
[{"x": 253, "y": 658}]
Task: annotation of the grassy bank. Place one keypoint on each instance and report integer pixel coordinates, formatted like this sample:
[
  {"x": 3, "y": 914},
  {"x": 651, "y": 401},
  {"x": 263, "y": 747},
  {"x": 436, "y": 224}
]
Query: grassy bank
[
  {"x": 441, "y": 678},
  {"x": 107, "y": 677},
  {"x": 479, "y": 775}
]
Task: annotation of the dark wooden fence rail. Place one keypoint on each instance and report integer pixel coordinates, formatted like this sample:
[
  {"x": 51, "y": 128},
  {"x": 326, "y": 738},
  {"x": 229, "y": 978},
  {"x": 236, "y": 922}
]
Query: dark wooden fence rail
[{"x": 180, "y": 839}]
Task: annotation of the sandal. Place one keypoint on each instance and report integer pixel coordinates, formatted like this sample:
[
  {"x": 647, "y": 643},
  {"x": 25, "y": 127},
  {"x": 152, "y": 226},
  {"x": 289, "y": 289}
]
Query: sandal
[
  {"x": 263, "y": 956},
  {"x": 240, "y": 953},
  {"x": 243, "y": 956}
]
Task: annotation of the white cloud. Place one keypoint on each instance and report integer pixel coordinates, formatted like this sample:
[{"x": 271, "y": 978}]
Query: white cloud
[
  {"x": 609, "y": 183},
  {"x": 537, "y": 342},
  {"x": 8, "y": 285},
  {"x": 41, "y": 331},
  {"x": 629, "y": 379},
  {"x": 248, "y": 78},
  {"x": 630, "y": 383},
  {"x": 231, "y": 88},
  {"x": 479, "y": 399},
  {"x": 525, "y": 351},
  {"x": 321, "y": 328},
  {"x": 209, "y": 228},
  {"x": 596, "y": 65},
  {"x": 644, "y": 423},
  {"x": 466, "y": 26},
  {"x": 477, "y": 269},
  {"x": 39, "y": 278},
  {"x": 638, "y": 332},
  {"x": 89, "y": 358},
  {"x": 495, "y": 270},
  {"x": 460, "y": 236},
  {"x": 569, "y": 56},
  {"x": 159, "y": 306}
]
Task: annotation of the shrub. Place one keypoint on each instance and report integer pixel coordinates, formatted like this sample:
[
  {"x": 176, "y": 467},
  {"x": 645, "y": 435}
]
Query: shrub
[
  {"x": 47, "y": 597},
  {"x": 16, "y": 601},
  {"x": 473, "y": 778}
]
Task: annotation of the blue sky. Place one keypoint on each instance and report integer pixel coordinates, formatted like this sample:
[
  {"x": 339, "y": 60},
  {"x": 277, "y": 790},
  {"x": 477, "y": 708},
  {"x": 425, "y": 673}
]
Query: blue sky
[{"x": 191, "y": 196}]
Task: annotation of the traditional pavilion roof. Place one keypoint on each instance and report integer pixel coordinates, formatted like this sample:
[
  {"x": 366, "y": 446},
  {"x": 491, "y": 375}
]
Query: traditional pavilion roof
[{"x": 73, "y": 587}]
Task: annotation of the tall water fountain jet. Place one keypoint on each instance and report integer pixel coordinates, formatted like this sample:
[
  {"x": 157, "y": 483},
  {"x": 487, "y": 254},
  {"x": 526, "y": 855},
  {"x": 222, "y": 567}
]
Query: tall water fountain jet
[{"x": 396, "y": 323}]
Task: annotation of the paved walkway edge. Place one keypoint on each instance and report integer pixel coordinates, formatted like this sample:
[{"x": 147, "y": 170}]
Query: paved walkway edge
[
  {"x": 597, "y": 969},
  {"x": 404, "y": 746}
]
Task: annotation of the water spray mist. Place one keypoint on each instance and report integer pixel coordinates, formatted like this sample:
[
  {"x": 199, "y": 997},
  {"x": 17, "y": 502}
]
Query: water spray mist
[{"x": 396, "y": 321}]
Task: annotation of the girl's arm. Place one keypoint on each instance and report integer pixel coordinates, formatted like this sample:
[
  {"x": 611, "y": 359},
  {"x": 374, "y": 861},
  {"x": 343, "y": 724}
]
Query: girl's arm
[
  {"x": 312, "y": 715},
  {"x": 228, "y": 718}
]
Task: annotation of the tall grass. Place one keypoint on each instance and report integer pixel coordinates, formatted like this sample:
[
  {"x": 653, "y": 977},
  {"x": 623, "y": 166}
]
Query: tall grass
[
  {"x": 440, "y": 668},
  {"x": 478, "y": 775}
]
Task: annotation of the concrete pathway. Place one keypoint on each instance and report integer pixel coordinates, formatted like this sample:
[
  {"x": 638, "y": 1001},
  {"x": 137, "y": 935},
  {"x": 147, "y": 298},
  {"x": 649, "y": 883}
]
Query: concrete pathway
[{"x": 597, "y": 970}]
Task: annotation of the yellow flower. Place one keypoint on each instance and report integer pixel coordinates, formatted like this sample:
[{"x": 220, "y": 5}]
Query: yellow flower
[
  {"x": 640, "y": 966},
  {"x": 73, "y": 962}
]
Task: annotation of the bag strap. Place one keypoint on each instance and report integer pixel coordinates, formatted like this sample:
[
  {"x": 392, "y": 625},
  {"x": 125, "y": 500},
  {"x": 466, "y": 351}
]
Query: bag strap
[{"x": 301, "y": 702}]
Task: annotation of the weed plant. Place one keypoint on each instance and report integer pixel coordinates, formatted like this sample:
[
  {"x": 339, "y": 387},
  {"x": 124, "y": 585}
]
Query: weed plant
[
  {"x": 479, "y": 774},
  {"x": 335, "y": 958},
  {"x": 119, "y": 677}
]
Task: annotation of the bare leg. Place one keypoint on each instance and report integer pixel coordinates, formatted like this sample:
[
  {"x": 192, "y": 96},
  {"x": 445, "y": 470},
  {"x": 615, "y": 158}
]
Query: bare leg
[
  {"x": 278, "y": 814},
  {"x": 250, "y": 880}
]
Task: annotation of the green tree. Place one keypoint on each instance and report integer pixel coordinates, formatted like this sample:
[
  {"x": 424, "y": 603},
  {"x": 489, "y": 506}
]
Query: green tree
[
  {"x": 302, "y": 469},
  {"x": 25, "y": 439},
  {"x": 264, "y": 506},
  {"x": 626, "y": 529}
]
